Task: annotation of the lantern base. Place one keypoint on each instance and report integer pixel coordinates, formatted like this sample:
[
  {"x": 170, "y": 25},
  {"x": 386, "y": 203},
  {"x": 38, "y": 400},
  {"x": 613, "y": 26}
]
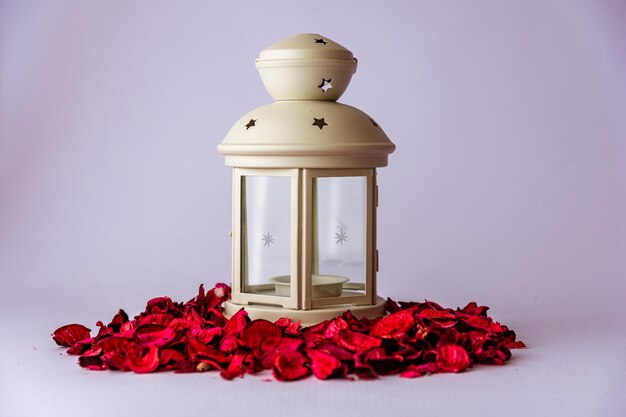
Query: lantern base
[{"x": 306, "y": 317}]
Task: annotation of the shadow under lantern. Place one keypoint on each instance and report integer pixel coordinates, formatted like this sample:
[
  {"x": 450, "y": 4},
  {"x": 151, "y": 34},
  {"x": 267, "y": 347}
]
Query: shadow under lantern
[{"x": 304, "y": 190}]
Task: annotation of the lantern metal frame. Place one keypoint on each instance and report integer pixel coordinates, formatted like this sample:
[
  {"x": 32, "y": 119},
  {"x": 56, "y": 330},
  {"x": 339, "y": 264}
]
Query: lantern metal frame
[{"x": 302, "y": 247}]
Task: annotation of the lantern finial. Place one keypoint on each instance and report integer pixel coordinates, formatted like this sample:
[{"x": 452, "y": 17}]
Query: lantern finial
[{"x": 306, "y": 66}]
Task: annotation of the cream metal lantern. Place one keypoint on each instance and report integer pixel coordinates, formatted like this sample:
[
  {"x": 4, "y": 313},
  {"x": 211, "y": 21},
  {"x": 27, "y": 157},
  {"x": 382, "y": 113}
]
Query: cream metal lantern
[{"x": 304, "y": 190}]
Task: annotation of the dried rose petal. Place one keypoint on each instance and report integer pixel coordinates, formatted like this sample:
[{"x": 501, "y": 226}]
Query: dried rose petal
[
  {"x": 160, "y": 305},
  {"x": 141, "y": 360},
  {"x": 118, "y": 320},
  {"x": 159, "y": 338},
  {"x": 474, "y": 310},
  {"x": 393, "y": 324},
  {"x": 436, "y": 314},
  {"x": 382, "y": 363},
  {"x": 334, "y": 327},
  {"x": 235, "y": 368},
  {"x": 415, "y": 371},
  {"x": 483, "y": 323},
  {"x": 206, "y": 336},
  {"x": 515, "y": 344},
  {"x": 162, "y": 319},
  {"x": 81, "y": 346},
  {"x": 357, "y": 342},
  {"x": 280, "y": 343},
  {"x": 294, "y": 329},
  {"x": 197, "y": 351},
  {"x": 361, "y": 368},
  {"x": 331, "y": 349},
  {"x": 326, "y": 366},
  {"x": 169, "y": 358},
  {"x": 69, "y": 334},
  {"x": 452, "y": 358},
  {"x": 257, "y": 331},
  {"x": 93, "y": 363},
  {"x": 289, "y": 365},
  {"x": 232, "y": 328}
]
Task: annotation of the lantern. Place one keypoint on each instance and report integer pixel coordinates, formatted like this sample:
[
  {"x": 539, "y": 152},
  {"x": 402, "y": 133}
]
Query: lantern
[{"x": 304, "y": 190}]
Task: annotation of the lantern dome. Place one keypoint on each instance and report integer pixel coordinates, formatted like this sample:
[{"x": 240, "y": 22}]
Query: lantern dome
[
  {"x": 306, "y": 134},
  {"x": 305, "y": 127}
]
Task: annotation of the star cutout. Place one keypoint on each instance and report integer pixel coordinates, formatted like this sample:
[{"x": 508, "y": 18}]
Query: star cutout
[
  {"x": 373, "y": 122},
  {"x": 251, "y": 123},
  {"x": 321, "y": 40},
  {"x": 341, "y": 236},
  {"x": 325, "y": 85},
  {"x": 319, "y": 123},
  {"x": 268, "y": 239}
]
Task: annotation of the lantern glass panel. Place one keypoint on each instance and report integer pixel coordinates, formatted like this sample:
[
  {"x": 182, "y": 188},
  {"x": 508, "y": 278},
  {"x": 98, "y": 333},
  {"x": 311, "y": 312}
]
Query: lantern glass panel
[
  {"x": 265, "y": 232},
  {"x": 340, "y": 231}
]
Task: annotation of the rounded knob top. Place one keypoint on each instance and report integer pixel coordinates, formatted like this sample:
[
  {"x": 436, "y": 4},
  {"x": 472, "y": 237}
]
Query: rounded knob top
[{"x": 306, "y": 66}]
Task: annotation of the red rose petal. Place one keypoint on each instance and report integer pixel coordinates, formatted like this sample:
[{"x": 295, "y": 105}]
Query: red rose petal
[
  {"x": 361, "y": 368},
  {"x": 93, "y": 363},
  {"x": 483, "y": 323},
  {"x": 160, "y": 305},
  {"x": 396, "y": 323},
  {"x": 474, "y": 309},
  {"x": 452, "y": 358},
  {"x": 357, "y": 342},
  {"x": 258, "y": 330},
  {"x": 436, "y": 314},
  {"x": 197, "y": 351},
  {"x": 280, "y": 343},
  {"x": 206, "y": 336},
  {"x": 331, "y": 349},
  {"x": 158, "y": 338},
  {"x": 415, "y": 371},
  {"x": 289, "y": 365},
  {"x": 514, "y": 344},
  {"x": 81, "y": 346},
  {"x": 143, "y": 360},
  {"x": 382, "y": 363},
  {"x": 232, "y": 328},
  {"x": 118, "y": 320},
  {"x": 294, "y": 329},
  {"x": 69, "y": 334},
  {"x": 235, "y": 368},
  {"x": 334, "y": 327},
  {"x": 326, "y": 366},
  {"x": 162, "y": 319},
  {"x": 169, "y": 358}
]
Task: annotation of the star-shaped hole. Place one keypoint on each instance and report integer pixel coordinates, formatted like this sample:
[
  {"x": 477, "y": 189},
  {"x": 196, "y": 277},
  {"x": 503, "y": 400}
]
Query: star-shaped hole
[
  {"x": 321, "y": 41},
  {"x": 325, "y": 85},
  {"x": 319, "y": 123},
  {"x": 251, "y": 123}
]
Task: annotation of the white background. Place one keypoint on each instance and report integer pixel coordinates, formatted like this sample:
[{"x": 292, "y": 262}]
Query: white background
[{"x": 508, "y": 187}]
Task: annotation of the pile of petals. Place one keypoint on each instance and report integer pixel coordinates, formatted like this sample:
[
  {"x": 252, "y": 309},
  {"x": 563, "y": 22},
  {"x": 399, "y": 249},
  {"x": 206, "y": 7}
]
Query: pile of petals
[{"x": 412, "y": 340}]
